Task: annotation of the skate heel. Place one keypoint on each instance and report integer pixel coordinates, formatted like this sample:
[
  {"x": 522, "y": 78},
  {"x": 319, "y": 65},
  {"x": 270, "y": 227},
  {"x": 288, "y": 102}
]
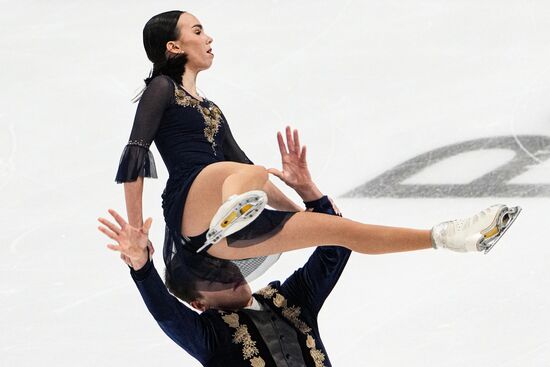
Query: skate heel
[
  {"x": 234, "y": 214},
  {"x": 503, "y": 220}
]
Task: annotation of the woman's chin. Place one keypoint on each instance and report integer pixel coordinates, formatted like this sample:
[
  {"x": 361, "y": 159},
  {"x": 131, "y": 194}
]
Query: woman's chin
[{"x": 203, "y": 66}]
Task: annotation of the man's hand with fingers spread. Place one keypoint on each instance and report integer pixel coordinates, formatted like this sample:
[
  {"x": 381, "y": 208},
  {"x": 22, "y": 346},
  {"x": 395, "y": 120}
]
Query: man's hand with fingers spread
[{"x": 132, "y": 242}]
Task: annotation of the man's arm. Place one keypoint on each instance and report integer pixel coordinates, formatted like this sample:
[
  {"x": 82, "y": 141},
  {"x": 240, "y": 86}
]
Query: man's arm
[{"x": 182, "y": 325}]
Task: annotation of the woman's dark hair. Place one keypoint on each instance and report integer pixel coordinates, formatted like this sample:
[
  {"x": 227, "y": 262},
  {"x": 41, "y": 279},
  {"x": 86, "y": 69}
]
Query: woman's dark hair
[{"x": 157, "y": 32}]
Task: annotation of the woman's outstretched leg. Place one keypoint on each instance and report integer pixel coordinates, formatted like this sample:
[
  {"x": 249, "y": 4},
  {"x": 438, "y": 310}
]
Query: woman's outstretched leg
[
  {"x": 307, "y": 229},
  {"x": 479, "y": 232}
]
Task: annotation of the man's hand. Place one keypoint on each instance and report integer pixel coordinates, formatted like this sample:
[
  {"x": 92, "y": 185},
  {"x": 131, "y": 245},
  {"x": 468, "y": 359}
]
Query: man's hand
[
  {"x": 132, "y": 242},
  {"x": 295, "y": 170}
]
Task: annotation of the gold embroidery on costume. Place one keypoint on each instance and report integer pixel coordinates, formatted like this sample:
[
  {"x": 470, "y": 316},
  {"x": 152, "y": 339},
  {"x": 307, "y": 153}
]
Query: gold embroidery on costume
[
  {"x": 242, "y": 336},
  {"x": 267, "y": 292},
  {"x": 279, "y": 300},
  {"x": 318, "y": 356},
  {"x": 212, "y": 114},
  {"x": 292, "y": 314},
  {"x": 257, "y": 362},
  {"x": 231, "y": 320},
  {"x": 310, "y": 342}
]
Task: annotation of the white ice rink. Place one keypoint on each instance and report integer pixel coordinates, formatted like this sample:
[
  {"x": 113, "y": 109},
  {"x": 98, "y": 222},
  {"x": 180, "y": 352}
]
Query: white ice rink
[{"x": 370, "y": 85}]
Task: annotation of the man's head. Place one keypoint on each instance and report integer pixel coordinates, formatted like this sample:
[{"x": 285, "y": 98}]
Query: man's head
[
  {"x": 204, "y": 281},
  {"x": 204, "y": 294}
]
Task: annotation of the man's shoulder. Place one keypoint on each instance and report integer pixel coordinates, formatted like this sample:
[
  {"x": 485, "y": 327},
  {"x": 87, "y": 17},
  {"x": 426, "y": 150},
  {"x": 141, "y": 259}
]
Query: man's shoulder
[
  {"x": 275, "y": 292},
  {"x": 269, "y": 289}
]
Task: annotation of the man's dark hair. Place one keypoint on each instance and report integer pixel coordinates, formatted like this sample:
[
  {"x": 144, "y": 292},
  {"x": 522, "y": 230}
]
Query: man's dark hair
[{"x": 180, "y": 284}]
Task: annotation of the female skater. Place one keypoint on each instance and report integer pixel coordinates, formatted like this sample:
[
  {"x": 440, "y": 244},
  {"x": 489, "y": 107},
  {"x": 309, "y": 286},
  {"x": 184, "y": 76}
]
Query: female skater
[{"x": 215, "y": 196}]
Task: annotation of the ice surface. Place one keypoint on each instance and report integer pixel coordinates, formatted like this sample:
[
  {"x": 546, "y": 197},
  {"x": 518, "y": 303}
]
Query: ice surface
[{"x": 370, "y": 85}]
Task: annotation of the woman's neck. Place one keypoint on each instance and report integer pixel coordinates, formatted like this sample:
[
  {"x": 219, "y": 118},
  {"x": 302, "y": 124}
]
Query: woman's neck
[{"x": 189, "y": 81}]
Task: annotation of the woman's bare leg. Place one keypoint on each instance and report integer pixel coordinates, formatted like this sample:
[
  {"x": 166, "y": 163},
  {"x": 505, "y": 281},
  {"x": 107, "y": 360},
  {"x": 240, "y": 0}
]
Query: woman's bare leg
[
  {"x": 307, "y": 229},
  {"x": 250, "y": 178},
  {"x": 213, "y": 185}
]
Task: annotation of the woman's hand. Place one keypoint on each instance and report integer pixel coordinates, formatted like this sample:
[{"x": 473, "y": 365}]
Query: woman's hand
[
  {"x": 295, "y": 171},
  {"x": 132, "y": 242}
]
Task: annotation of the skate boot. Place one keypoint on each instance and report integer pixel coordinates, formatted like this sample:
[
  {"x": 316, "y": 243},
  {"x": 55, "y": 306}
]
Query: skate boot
[
  {"x": 235, "y": 213},
  {"x": 477, "y": 233}
]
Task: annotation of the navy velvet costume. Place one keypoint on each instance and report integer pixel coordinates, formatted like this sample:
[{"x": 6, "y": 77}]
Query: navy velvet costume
[
  {"x": 284, "y": 333},
  {"x": 189, "y": 134}
]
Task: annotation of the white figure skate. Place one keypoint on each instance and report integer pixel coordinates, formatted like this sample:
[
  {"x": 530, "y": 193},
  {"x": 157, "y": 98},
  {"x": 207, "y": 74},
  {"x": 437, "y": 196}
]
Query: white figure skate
[
  {"x": 234, "y": 214},
  {"x": 480, "y": 232}
]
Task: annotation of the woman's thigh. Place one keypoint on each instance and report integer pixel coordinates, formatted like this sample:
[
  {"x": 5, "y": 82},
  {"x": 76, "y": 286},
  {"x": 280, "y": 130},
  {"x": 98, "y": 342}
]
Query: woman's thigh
[
  {"x": 303, "y": 229},
  {"x": 205, "y": 195}
]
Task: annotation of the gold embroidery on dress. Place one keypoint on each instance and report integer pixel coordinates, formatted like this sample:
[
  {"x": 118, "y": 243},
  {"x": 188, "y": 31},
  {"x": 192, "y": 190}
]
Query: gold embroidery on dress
[
  {"x": 212, "y": 114},
  {"x": 242, "y": 336},
  {"x": 292, "y": 314}
]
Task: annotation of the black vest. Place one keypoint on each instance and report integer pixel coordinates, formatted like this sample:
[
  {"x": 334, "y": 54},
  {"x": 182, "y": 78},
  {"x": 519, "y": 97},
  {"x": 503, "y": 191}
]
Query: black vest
[{"x": 248, "y": 346}]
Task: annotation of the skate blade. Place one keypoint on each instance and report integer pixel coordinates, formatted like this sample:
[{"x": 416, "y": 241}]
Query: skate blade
[
  {"x": 243, "y": 211},
  {"x": 505, "y": 220}
]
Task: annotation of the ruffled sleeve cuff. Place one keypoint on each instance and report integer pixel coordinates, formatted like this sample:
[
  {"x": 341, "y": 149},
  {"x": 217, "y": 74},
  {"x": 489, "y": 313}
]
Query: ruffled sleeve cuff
[{"x": 136, "y": 160}]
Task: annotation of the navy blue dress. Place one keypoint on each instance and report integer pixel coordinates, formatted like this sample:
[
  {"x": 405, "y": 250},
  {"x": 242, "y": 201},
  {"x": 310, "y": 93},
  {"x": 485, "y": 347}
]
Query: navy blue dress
[{"x": 189, "y": 134}]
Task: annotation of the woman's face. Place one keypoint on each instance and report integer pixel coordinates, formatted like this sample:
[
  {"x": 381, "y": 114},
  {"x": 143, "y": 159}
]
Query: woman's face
[{"x": 194, "y": 42}]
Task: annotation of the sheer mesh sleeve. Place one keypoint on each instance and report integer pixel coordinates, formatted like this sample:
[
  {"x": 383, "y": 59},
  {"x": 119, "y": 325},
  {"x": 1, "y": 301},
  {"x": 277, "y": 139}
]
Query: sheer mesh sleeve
[
  {"x": 136, "y": 159},
  {"x": 231, "y": 149}
]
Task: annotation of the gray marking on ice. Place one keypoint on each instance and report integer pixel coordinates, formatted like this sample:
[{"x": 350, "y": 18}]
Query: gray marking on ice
[{"x": 492, "y": 184}]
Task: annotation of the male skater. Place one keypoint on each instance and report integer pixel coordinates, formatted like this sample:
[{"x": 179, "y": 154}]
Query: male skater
[{"x": 275, "y": 326}]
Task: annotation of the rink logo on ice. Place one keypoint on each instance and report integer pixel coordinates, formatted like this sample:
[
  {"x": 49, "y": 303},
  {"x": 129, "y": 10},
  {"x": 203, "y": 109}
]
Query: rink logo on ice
[{"x": 524, "y": 154}]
